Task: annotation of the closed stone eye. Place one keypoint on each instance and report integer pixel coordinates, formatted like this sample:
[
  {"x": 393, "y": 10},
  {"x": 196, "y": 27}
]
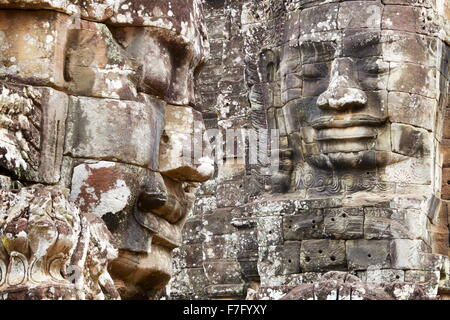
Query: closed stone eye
[{"x": 312, "y": 73}]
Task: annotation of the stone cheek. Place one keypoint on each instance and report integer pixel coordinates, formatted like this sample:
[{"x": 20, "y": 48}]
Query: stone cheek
[{"x": 184, "y": 151}]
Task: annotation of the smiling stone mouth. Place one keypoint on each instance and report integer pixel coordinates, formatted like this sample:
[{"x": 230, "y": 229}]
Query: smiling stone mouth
[
  {"x": 346, "y": 133},
  {"x": 347, "y": 122}
]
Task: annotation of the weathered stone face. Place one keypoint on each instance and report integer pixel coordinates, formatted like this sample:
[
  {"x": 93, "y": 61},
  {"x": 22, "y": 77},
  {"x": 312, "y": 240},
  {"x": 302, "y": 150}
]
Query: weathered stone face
[
  {"x": 98, "y": 97},
  {"x": 357, "y": 91},
  {"x": 352, "y": 75}
]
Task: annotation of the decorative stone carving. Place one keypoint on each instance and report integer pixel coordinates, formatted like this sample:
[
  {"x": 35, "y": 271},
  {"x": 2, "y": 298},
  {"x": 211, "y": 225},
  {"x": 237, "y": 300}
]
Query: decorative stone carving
[
  {"x": 359, "y": 102},
  {"x": 97, "y": 100},
  {"x": 50, "y": 250},
  {"x": 343, "y": 286}
]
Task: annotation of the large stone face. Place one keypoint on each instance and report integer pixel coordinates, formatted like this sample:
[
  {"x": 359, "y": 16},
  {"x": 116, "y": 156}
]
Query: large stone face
[
  {"x": 358, "y": 91},
  {"x": 105, "y": 113},
  {"x": 96, "y": 98}
]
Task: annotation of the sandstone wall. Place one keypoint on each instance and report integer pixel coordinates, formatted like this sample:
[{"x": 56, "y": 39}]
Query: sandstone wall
[
  {"x": 239, "y": 237},
  {"x": 220, "y": 251}
]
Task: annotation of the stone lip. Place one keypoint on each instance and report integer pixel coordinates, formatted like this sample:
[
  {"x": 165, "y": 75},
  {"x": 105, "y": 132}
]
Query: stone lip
[{"x": 354, "y": 120}]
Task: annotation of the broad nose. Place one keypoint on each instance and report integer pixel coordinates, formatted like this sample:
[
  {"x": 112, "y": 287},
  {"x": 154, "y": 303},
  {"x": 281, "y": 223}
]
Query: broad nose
[
  {"x": 343, "y": 91},
  {"x": 164, "y": 205}
]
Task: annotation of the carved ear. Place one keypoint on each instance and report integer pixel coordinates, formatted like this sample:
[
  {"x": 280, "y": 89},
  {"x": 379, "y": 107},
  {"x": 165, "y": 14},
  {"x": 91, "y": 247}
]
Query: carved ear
[
  {"x": 264, "y": 80},
  {"x": 268, "y": 66}
]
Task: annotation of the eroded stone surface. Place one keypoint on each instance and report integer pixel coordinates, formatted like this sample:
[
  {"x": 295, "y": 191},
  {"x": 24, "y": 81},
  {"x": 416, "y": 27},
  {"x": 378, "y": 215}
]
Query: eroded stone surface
[
  {"x": 96, "y": 97},
  {"x": 107, "y": 99},
  {"x": 50, "y": 250},
  {"x": 359, "y": 102}
]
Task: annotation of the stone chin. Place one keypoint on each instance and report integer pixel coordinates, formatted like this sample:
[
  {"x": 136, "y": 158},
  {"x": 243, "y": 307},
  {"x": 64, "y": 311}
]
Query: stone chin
[{"x": 142, "y": 275}]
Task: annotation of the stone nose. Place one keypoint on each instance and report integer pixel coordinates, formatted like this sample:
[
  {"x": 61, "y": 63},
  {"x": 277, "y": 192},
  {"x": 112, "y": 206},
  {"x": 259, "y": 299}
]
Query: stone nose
[
  {"x": 165, "y": 205},
  {"x": 149, "y": 200},
  {"x": 344, "y": 91}
]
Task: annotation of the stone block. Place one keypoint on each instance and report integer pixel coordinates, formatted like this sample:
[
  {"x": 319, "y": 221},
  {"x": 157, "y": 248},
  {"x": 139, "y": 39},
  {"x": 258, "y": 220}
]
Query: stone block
[
  {"x": 361, "y": 43},
  {"x": 220, "y": 247},
  {"x": 247, "y": 244},
  {"x": 115, "y": 130},
  {"x": 322, "y": 255},
  {"x": 184, "y": 152},
  {"x": 223, "y": 291},
  {"x": 413, "y": 79},
  {"x": 223, "y": 272},
  {"x": 409, "y": 18},
  {"x": 365, "y": 254},
  {"x": 373, "y": 74},
  {"x": 319, "y": 18},
  {"x": 192, "y": 255},
  {"x": 95, "y": 184},
  {"x": 342, "y": 223},
  {"x": 410, "y": 254},
  {"x": 406, "y": 47},
  {"x": 270, "y": 231},
  {"x": 412, "y": 109},
  {"x": 231, "y": 169},
  {"x": 96, "y": 65},
  {"x": 305, "y": 226},
  {"x": 369, "y": 15},
  {"x": 385, "y": 275},
  {"x": 381, "y": 223},
  {"x": 230, "y": 194},
  {"x": 418, "y": 170},
  {"x": 110, "y": 190},
  {"x": 410, "y": 141},
  {"x": 193, "y": 231},
  {"x": 189, "y": 283},
  {"x": 429, "y": 279},
  {"x": 415, "y": 3},
  {"x": 33, "y": 46},
  {"x": 218, "y": 223},
  {"x": 279, "y": 260},
  {"x": 249, "y": 268}
]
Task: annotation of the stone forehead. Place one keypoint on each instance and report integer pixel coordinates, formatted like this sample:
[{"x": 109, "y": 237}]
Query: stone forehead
[
  {"x": 317, "y": 19},
  {"x": 181, "y": 17}
]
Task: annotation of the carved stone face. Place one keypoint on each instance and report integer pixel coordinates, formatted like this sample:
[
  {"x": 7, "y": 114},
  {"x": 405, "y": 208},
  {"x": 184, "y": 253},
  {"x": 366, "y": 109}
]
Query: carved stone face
[
  {"x": 123, "y": 76},
  {"x": 364, "y": 88}
]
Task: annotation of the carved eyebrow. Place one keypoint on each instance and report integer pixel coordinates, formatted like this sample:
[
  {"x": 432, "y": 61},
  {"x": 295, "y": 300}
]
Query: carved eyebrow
[
  {"x": 314, "y": 51},
  {"x": 362, "y": 44}
]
